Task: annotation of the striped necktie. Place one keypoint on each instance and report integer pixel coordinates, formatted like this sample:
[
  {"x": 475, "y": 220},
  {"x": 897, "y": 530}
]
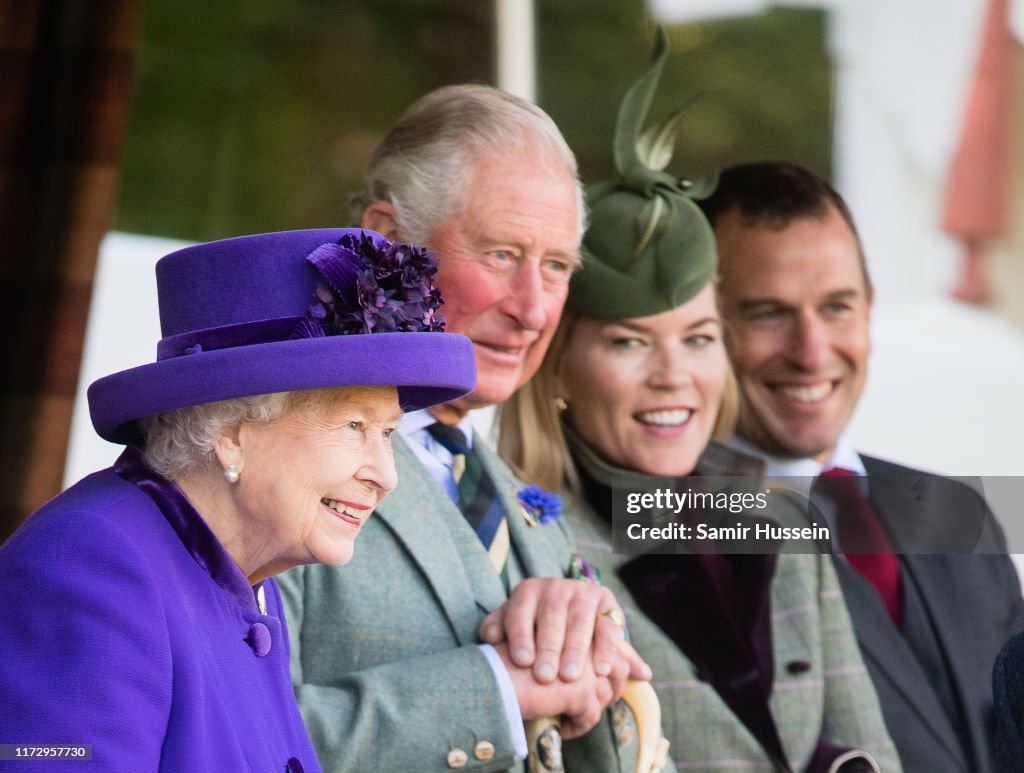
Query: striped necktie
[
  {"x": 863, "y": 539},
  {"x": 478, "y": 498}
]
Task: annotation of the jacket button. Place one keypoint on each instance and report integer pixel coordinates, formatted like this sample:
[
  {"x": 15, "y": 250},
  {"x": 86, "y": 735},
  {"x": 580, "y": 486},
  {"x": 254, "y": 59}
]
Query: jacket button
[
  {"x": 293, "y": 766},
  {"x": 259, "y": 639},
  {"x": 457, "y": 758},
  {"x": 484, "y": 750},
  {"x": 798, "y": 667}
]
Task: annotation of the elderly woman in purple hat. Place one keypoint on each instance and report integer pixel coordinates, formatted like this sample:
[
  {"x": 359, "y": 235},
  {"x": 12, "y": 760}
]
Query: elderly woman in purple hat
[{"x": 141, "y": 627}]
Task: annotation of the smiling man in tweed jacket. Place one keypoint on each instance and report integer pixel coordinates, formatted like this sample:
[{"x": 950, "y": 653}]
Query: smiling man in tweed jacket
[{"x": 389, "y": 670}]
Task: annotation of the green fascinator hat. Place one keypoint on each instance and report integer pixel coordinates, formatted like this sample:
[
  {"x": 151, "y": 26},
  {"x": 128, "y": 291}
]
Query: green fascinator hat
[{"x": 649, "y": 248}]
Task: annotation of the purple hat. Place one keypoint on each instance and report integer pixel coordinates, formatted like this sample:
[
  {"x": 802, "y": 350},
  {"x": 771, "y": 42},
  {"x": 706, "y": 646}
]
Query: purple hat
[{"x": 287, "y": 311}]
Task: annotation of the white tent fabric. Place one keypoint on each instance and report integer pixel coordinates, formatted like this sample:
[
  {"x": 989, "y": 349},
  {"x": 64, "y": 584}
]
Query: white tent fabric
[
  {"x": 681, "y": 11},
  {"x": 902, "y": 73},
  {"x": 948, "y": 397},
  {"x": 122, "y": 332}
]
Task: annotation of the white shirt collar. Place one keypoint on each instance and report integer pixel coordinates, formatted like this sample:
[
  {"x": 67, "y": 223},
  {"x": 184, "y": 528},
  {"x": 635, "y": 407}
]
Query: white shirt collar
[
  {"x": 432, "y": 455},
  {"x": 413, "y": 426},
  {"x": 844, "y": 455}
]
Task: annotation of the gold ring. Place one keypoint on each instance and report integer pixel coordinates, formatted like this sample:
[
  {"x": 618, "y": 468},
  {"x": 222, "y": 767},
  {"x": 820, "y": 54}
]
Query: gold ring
[{"x": 615, "y": 616}]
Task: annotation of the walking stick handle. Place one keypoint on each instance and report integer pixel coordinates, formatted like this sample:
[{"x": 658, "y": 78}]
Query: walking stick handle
[{"x": 544, "y": 741}]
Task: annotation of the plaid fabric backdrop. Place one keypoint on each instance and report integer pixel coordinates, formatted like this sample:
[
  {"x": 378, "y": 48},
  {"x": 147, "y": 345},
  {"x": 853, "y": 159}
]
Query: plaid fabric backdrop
[{"x": 65, "y": 87}]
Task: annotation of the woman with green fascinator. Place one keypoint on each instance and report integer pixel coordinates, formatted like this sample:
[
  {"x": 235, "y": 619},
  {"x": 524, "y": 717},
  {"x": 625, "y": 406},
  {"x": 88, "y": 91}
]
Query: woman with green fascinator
[{"x": 754, "y": 658}]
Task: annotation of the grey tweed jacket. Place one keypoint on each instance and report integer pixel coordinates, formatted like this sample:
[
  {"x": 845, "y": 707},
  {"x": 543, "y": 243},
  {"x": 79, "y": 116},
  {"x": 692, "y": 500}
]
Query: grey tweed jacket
[{"x": 384, "y": 652}]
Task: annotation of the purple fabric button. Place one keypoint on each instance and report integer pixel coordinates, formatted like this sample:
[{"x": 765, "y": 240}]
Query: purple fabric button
[
  {"x": 293, "y": 766},
  {"x": 259, "y": 639}
]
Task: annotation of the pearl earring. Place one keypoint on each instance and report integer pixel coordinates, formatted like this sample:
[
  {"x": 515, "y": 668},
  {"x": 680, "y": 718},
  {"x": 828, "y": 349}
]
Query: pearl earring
[
  {"x": 231, "y": 474},
  {"x": 561, "y": 404}
]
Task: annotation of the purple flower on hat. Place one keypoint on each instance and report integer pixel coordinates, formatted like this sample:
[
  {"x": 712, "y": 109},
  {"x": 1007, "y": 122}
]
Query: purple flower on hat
[
  {"x": 544, "y": 506},
  {"x": 375, "y": 287}
]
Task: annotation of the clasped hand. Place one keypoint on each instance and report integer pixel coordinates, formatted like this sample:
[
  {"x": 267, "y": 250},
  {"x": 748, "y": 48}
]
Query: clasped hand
[{"x": 561, "y": 641}]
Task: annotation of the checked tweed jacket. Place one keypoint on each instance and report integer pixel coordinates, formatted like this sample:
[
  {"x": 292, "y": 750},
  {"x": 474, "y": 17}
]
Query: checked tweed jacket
[{"x": 831, "y": 700}]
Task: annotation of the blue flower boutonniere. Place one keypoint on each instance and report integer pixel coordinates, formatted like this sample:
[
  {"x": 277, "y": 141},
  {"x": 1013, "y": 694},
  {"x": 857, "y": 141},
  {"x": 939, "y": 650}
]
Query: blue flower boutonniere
[{"x": 540, "y": 505}]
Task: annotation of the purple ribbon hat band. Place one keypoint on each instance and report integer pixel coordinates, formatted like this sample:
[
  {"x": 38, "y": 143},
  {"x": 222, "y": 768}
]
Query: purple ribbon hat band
[{"x": 287, "y": 311}]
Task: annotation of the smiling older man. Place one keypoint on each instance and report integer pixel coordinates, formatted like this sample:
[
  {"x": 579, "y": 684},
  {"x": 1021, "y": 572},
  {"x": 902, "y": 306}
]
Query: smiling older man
[
  {"x": 390, "y": 671},
  {"x": 797, "y": 299}
]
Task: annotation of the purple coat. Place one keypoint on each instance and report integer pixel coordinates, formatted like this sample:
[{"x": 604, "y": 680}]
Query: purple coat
[{"x": 127, "y": 626}]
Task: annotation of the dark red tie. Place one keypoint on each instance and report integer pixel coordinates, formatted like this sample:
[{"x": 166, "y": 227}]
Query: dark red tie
[{"x": 863, "y": 539}]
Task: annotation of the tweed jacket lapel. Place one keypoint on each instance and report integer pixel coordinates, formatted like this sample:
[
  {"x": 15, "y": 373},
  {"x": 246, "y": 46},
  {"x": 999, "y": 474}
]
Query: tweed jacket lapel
[
  {"x": 446, "y": 549},
  {"x": 902, "y": 500},
  {"x": 901, "y": 503},
  {"x": 885, "y": 645},
  {"x": 926, "y": 516},
  {"x": 911, "y": 499},
  {"x": 537, "y": 559},
  {"x": 674, "y": 590},
  {"x": 967, "y": 649},
  {"x": 941, "y": 597}
]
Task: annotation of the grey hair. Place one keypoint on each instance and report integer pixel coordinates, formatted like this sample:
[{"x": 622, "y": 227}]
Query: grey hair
[
  {"x": 422, "y": 166},
  {"x": 181, "y": 441}
]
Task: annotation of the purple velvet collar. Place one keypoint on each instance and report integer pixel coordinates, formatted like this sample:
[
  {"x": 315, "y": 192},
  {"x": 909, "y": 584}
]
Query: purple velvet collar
[{"x": 190, "y": 527}]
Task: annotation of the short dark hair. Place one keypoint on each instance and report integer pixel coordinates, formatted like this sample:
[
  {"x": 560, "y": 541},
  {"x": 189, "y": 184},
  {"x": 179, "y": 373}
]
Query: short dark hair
[{"x": 775, "y": 193}]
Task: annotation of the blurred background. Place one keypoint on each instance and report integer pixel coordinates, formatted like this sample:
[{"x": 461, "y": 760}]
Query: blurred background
[{"x": 129, "y": 126}]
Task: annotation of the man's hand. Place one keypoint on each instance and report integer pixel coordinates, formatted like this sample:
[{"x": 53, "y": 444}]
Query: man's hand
[
  {"x": 558, "y": 626},
  {"x": 578, "y": 703}
]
